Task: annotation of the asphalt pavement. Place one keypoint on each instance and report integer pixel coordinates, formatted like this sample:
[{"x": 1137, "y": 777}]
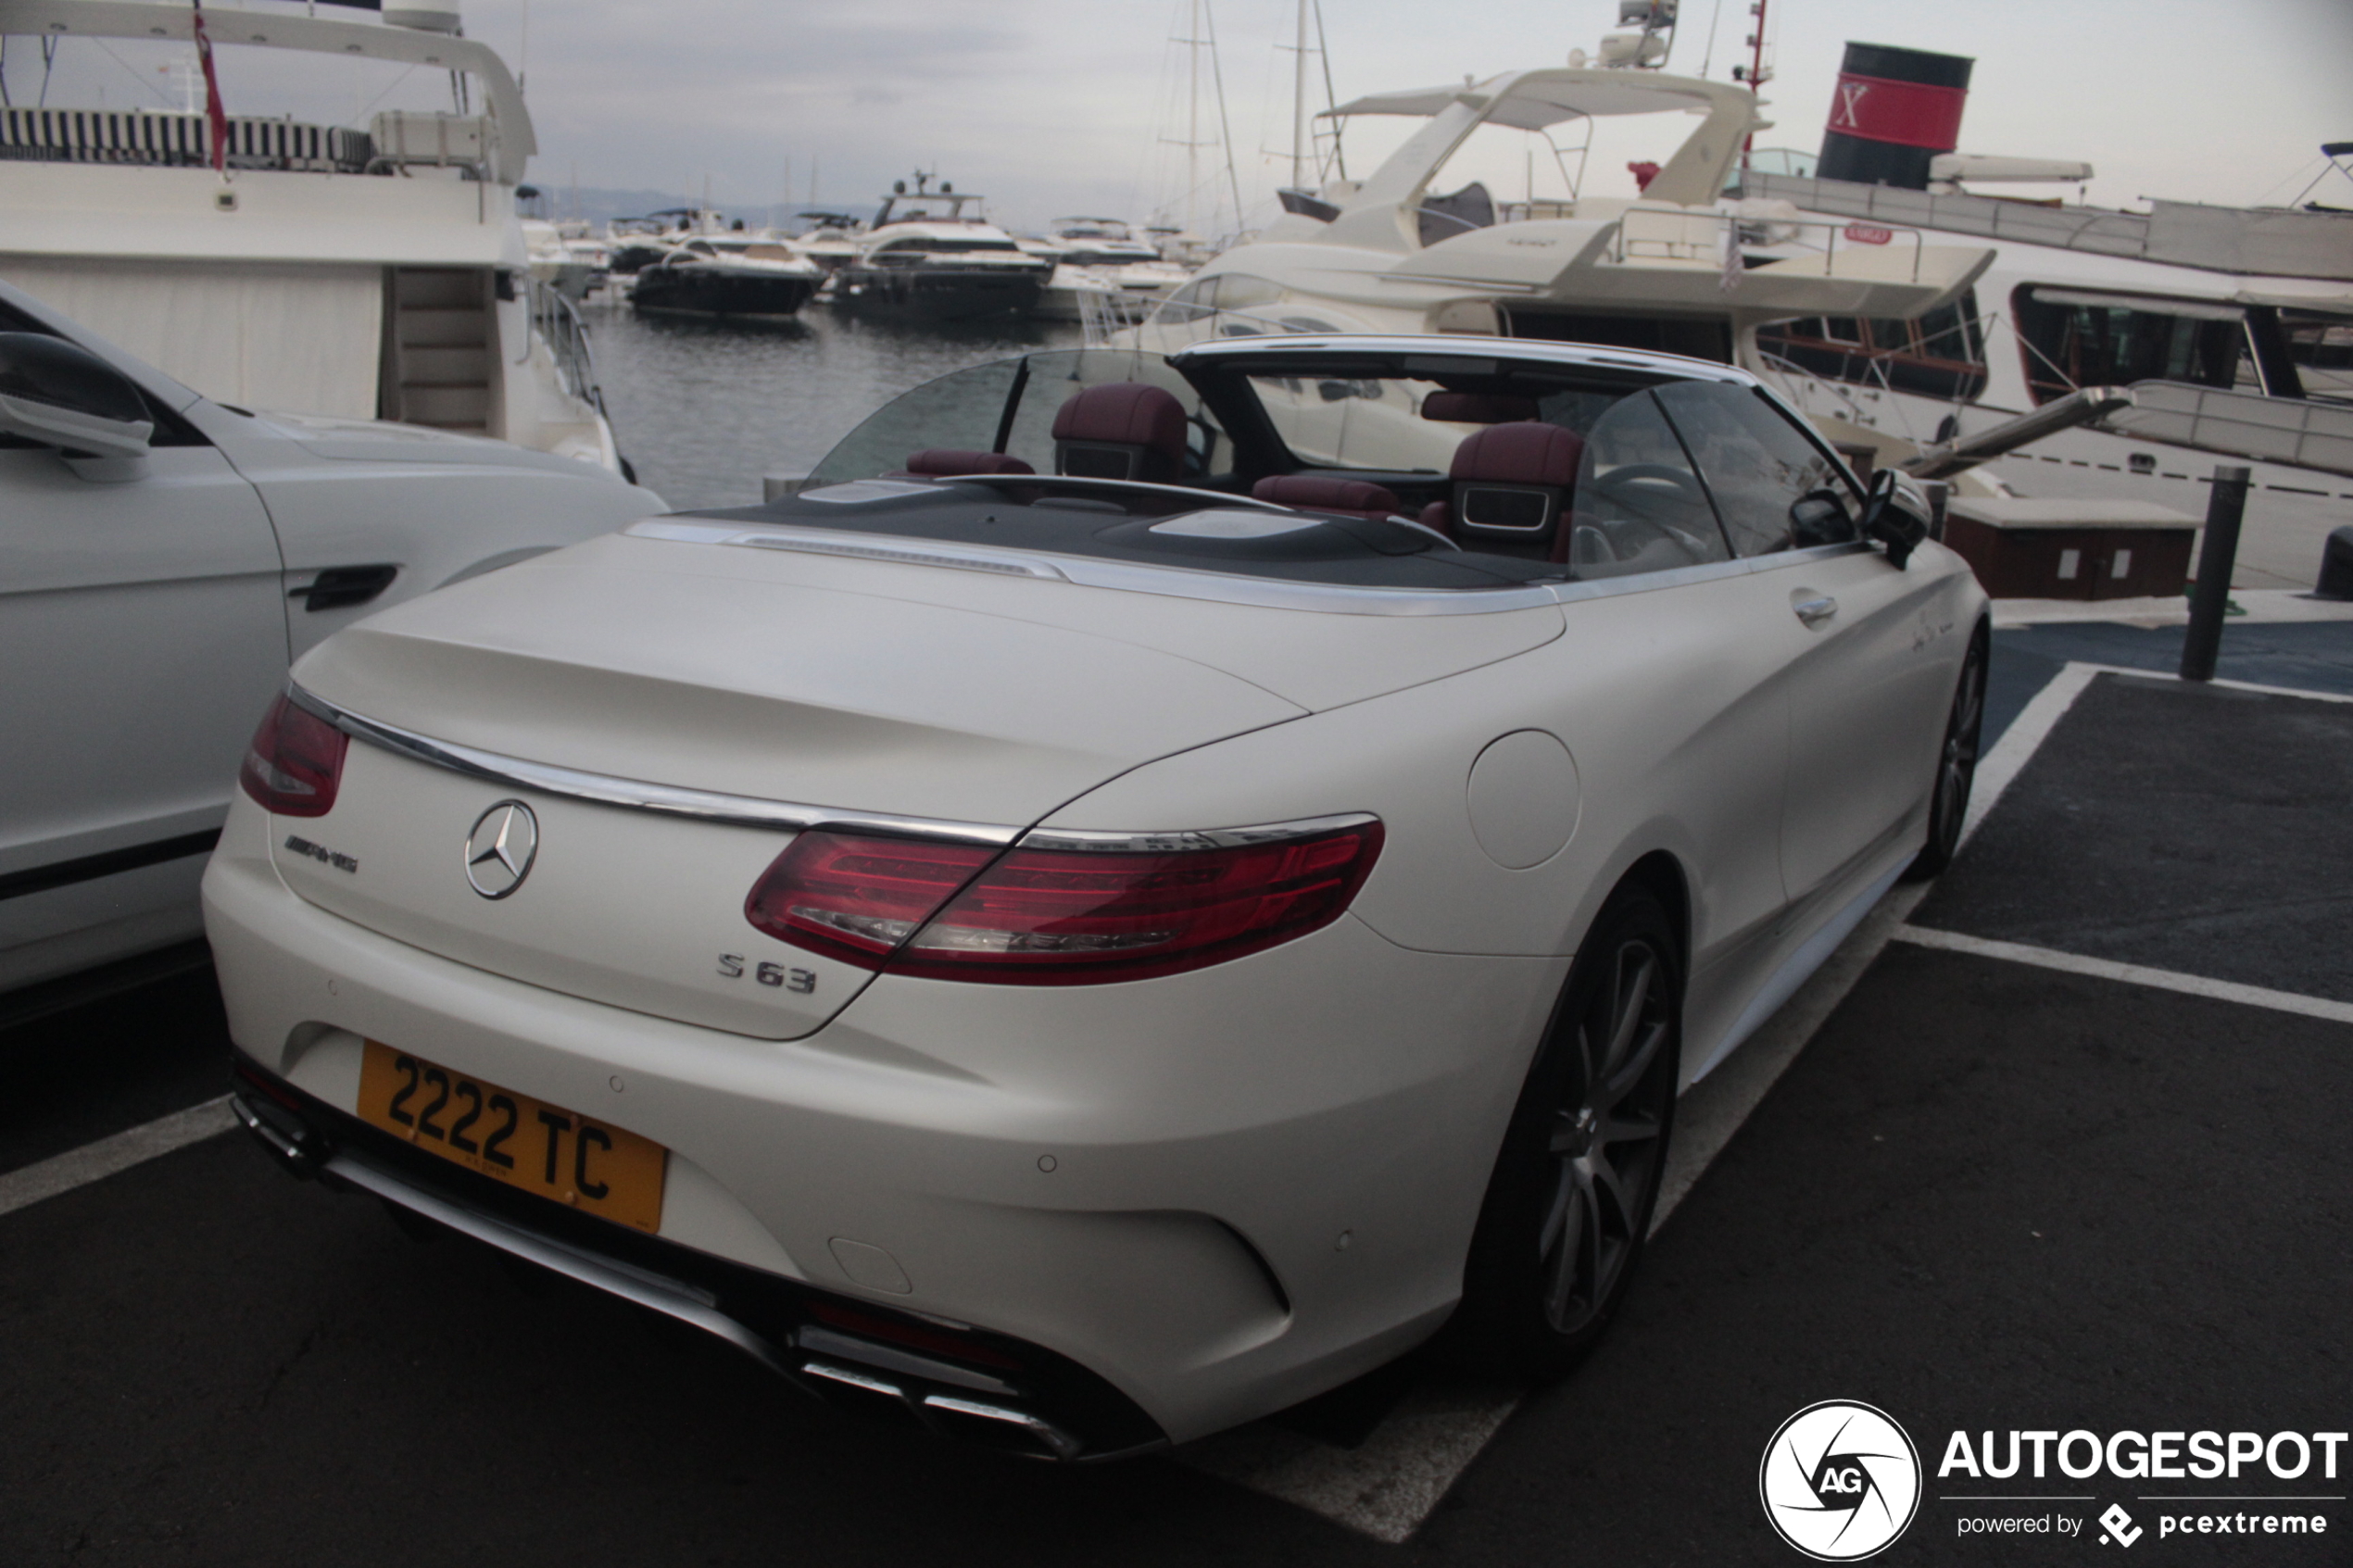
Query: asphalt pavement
[{"x": 1988, "y": 1195}]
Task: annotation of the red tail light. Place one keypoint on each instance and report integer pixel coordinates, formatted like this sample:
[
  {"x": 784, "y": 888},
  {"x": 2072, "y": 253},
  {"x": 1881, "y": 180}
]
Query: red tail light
[
  {"x": 1055, "y": 916},
  {"x": 296, "y": 762},
  {"x": 857, "y": 897}
]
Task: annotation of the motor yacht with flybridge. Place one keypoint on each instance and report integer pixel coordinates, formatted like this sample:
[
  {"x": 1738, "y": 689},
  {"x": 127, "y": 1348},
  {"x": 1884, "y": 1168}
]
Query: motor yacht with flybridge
[
  {"x": 2198, "y": 330},
  {"x": 372, "y": 270},
  {"x": 735, "y": 276},
  {"x": 1660, "y": 271},
  {"x": 926, "y": 257}
]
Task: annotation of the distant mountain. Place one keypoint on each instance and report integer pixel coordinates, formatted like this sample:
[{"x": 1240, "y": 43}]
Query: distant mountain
[{"x": 601, "y": 204}]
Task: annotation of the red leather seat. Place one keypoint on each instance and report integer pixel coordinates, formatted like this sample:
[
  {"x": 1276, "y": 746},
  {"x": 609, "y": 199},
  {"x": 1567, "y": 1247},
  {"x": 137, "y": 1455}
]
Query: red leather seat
[
  {"x": 1512, "y": 483},
  {"x": 1478, "y": 407},
  {"x": 941, "y": 462},
  {"x": 1314, "y": 492},
  {"x": 1121, "y": 430}
]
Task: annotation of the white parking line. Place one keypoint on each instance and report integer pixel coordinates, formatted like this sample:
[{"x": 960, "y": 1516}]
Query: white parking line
[
  {"x": 93, "y": 1162},
  {"x": 2130, "y": 973}
]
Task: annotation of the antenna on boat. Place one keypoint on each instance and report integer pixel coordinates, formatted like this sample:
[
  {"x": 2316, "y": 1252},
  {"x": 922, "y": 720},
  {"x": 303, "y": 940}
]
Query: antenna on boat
[
  {"x": 1645, "y": 34},
  {"x": 1756, "y": 73}
]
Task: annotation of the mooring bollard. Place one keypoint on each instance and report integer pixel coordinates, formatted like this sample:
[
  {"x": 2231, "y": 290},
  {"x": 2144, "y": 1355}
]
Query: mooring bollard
[{"x": 2225, "y": 507}]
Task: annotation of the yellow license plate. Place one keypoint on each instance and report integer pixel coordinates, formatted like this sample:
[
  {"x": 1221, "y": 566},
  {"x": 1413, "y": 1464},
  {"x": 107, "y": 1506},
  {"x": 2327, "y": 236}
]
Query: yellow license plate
[{"x": 574, "y": 1159}]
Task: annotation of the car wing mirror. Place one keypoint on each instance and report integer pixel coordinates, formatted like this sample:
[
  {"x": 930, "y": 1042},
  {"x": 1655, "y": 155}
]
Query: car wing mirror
[
  {"x": 61, "y": 395},
  {"x": 1889, "y": 521}
]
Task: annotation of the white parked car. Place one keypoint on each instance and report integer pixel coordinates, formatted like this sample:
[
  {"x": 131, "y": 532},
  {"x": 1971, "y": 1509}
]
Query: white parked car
[
  {"x": 1154, "y": 888},
  {"x": 161, "y": 557}
]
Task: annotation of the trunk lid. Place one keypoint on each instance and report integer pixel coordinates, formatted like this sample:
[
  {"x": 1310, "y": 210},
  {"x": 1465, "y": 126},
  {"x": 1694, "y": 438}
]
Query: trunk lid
[
  {"x": 876, "y": 689},
  {"x": 601, "y": 661}
]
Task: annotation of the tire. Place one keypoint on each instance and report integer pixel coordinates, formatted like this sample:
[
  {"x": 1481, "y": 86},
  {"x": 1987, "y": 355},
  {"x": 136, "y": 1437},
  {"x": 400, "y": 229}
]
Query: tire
[
  {"x": 1955, "y": 764},
  {"x": 1570, "y": 1203}
]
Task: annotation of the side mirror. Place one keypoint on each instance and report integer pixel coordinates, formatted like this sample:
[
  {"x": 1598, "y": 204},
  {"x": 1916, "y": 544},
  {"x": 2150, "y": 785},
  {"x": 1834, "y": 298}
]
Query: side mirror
[
  {"x": 61, "y": 395},
  {"x": 1887, "y": 519}
]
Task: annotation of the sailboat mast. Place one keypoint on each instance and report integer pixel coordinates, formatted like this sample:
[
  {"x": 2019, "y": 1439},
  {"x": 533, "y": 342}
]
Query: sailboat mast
[
  {"x": 1192, "y": 113},
  {"x": 1299, "y": 105}
]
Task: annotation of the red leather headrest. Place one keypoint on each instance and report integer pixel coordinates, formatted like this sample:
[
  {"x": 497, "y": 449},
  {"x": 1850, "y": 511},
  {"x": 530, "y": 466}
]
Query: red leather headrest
[
  {"x": 1129, "y": 413},
  {"x": 1519, "y": 454},
  {"x": 1316, "y": 494},
  {"x": 948, "y": 461},
  {"x": 1478, "y": 407}
]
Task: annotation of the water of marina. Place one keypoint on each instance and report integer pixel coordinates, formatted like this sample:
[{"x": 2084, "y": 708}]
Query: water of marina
[{"x": 703, "y": 409}]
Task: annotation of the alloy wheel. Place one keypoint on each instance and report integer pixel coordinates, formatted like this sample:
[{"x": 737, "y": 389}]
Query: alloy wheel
[
  {"x": 1956, "y": 767},
  {"x": 1606, "y": 1138}
]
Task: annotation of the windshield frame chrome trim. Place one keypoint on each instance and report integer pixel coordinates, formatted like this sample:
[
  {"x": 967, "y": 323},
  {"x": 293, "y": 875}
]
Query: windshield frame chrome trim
[{"x": 639, "y": 794}]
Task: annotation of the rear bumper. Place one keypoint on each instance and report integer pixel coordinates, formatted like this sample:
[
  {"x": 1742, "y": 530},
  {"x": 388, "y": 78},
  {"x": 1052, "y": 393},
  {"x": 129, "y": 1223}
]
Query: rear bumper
[
  {"x": 962, "y": 1384},
  {"x": 1216, "y": 1195}
]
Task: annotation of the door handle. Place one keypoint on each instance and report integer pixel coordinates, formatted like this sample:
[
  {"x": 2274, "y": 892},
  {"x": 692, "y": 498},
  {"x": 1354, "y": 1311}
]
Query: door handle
[
  {"x": 339, "y": 587},
  {"x": 1815, "y": 609}
]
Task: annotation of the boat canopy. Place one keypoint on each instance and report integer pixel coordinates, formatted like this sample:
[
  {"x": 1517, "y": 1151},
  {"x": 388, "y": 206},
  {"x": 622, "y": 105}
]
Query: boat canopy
[
  {"x": 1531, "y": 100},
  {"x": 1534, "y": 100}
]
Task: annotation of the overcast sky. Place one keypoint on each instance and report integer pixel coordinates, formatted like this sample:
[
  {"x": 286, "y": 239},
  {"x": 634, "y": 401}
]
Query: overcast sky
[
  {"x": 1062, "y": 106},
  {"x": 1054, "y": 106}
]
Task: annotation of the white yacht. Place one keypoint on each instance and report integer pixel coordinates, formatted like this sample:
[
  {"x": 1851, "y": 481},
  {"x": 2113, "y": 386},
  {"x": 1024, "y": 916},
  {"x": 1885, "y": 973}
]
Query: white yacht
[
  {"x": 1110, "y": 250},
  {"x": 1662, "y": 271},
  {"x": 733, "y": 275},
  {"x": 2205, "y": 331},
  {"x": 372, "y": 270},
  {"x": 831, "y": 239},
  {"x": 926, "y": 259},
  {"x": 2098, "y": 356}
]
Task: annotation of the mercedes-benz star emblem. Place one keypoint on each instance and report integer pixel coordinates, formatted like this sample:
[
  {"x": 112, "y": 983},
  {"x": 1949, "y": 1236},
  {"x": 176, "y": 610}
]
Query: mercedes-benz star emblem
[{"x": 499, "y": 850}]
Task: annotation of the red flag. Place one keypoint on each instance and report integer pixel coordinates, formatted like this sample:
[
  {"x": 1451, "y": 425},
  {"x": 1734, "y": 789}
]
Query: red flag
[{"x": 213, "y": 113}]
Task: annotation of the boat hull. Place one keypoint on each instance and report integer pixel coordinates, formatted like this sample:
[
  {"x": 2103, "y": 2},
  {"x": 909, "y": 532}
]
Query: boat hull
[
  {"x": 937, "y": 293},
  {"x": 665, "y": 291}
]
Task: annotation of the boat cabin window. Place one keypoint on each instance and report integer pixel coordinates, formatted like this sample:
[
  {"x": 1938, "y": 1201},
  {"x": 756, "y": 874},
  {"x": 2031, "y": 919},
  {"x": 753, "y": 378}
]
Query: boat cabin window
[
  {"x": 2072, "y": 338},
  {"x": 1941, "y": 355},
  {"x": 942, "y": 245},
  {"x": 2322, "y": 348},
  {"x": 1200, "y": 302}
]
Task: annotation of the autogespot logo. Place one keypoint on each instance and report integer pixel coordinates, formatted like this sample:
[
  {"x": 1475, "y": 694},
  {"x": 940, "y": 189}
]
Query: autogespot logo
[{"x": 1839, "y": 1480}]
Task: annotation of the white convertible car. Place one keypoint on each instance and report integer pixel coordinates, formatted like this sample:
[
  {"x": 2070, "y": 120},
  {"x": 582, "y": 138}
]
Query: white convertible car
[
  {"x": 161, "y": 557},
  {"x": 1152, "y": 888}
]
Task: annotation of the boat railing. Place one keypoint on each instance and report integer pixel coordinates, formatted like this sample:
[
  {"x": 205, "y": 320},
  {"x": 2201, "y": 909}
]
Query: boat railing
[
  {"x": 555, "y": 322},
  {"x": 184, "y": 140},
  {"x": 2298, "y": 433},
  {"x": 1658, "y": 233}
]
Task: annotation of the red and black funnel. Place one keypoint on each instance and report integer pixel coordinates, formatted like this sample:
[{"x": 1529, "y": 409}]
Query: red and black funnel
[{"x": 1894, "y": 110}]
